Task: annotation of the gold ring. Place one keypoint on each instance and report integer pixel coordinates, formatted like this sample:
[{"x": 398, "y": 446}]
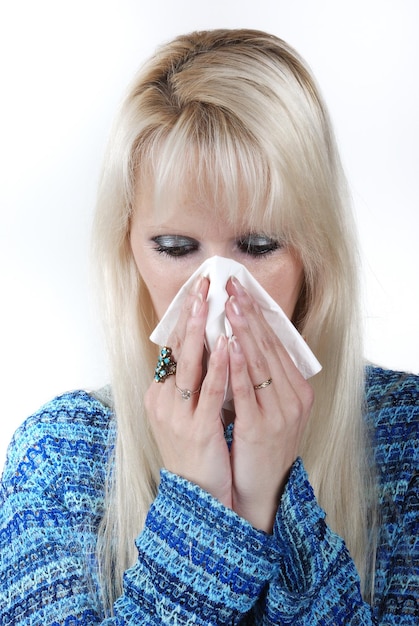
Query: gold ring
[
  {"x": 265, "y": 383},
  {"x": 186, "y": 393}
]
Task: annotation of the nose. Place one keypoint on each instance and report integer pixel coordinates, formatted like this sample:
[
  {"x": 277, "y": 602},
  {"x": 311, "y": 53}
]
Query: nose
[{"x": 225, "y": 250}]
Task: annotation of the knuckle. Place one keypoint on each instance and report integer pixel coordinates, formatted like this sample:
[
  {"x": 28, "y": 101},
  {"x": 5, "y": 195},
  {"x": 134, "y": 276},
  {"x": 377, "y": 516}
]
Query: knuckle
[
  {"x": 193, "y": 325},
  {"x": 188, "y": 370},
  {"x": 297, "y": 409},
  {"x": 300, "y": 407},
  {"x": 294, "y": 410},
  {"x": 241, "y": 325},
  {"x": 266, "y": 341},
  {"x": 212, "y": 389},
  {"x": 260, "y": 362},
  {"x": 218, "y": 361},
  {"x": 241, "y": 389},
  {"x": 307, "y": 395},
  {"x": 247, "y": 303}
]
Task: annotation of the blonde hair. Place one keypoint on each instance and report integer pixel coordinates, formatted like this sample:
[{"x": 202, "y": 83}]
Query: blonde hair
[{"x": 236, "y": 109}]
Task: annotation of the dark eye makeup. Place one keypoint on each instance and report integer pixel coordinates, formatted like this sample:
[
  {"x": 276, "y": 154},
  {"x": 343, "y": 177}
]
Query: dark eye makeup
[
  {"x": 256, "y": 244},
  {"x": 252, "y": 244},
  {"x": 175, "y": 245}
]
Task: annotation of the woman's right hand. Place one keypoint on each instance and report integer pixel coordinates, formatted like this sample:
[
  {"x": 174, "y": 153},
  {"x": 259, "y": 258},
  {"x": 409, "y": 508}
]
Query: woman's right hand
[{"x": 189, "y": 433}]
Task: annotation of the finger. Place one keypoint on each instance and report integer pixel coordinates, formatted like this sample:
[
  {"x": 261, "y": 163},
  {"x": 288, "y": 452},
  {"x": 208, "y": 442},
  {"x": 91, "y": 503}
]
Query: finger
[
  {"x": 176, "y": 338},
  {"x": 254, "y": 340},
  {"x": 213, "y": 390},
  {"x": 245, "y": 402},
  {"x": 196, "y": 296},
  {"x": 189, "y": 364}
]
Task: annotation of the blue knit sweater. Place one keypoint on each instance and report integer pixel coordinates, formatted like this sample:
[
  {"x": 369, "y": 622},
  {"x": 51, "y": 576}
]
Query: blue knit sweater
[{"x": 198, "y": 562}]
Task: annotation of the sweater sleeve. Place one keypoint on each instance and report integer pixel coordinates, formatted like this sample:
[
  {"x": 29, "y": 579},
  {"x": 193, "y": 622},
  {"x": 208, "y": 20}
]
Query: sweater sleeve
[
  {"x": 50, "y": 506},
  {"x": 199, "y": 563},
  {"x": 317, "y": 582}
]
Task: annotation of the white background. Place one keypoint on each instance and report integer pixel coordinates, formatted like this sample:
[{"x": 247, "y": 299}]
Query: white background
[{"x": 64, "y": 67}]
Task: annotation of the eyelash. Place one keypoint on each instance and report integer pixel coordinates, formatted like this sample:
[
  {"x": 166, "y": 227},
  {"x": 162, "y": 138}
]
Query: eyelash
[
  {"x": 184, "y": 245},
  {"x": 176, "y": 246},
  {"x": 249, "y": 245}
]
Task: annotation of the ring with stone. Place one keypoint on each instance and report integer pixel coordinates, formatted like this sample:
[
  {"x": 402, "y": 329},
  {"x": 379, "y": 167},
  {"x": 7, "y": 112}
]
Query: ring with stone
[
  {"x": 186, "y": 393},
  {"x": 166, "y": 365}
]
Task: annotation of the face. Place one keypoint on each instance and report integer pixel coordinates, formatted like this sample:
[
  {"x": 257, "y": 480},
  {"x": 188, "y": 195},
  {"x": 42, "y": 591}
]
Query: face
[{"x": 168, "y": 246}]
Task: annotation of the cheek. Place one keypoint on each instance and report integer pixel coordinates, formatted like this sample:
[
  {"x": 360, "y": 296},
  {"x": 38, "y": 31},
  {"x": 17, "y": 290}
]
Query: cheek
[
  {"x": 161, "y": 288},
  {"x": 161, "y": 283},
  {"x": 284, "y": 286},
  {"x": 158, "y": 295}
]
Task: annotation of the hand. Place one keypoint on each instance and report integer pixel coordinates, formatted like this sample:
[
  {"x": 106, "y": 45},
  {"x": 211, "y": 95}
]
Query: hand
[
  {"x": 269, "y": 422},
  {"x": 189, "y": 433}
]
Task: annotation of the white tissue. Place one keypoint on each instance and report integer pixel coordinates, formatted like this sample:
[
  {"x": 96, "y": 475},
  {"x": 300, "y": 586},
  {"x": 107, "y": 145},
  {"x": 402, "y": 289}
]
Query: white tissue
[{"x": 218, "y": 270}]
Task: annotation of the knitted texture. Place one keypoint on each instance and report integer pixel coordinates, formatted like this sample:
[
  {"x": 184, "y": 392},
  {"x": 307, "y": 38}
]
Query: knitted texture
[{"x": 198, "y": 562}]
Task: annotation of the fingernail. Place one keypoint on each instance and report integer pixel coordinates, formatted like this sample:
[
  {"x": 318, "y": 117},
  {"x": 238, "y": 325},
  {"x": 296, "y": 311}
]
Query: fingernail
[
  {"x": 235, "y": 305},
  {"x": 197, "y": 285},
  {"x": 235, "y": 346},
  {"x": 221, "y": 342},
  {"x": 197, "y": 303},
  {"x": 237, "y": 285}
]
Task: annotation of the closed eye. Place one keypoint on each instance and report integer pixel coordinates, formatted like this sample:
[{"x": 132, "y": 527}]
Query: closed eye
[
  {"x": 255, "y": 244},
  {"x": 175, "y": 245}
]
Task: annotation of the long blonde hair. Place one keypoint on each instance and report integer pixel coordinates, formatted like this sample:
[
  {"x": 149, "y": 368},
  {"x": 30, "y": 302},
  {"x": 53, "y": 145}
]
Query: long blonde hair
[{"x": 238, "y": 108}]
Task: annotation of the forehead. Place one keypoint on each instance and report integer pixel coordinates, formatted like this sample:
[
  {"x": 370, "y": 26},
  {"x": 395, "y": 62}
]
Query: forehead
[
  {"x": 191, "y": 200},
  {"x": 227, "y": 177}
]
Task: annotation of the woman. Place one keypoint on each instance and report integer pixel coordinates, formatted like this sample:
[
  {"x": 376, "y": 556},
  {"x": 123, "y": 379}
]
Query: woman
[{"x": 141, "y": 504}]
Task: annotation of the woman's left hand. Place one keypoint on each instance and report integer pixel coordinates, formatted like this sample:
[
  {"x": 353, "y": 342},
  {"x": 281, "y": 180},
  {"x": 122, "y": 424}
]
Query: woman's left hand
[{"x": 269, "y": 422}]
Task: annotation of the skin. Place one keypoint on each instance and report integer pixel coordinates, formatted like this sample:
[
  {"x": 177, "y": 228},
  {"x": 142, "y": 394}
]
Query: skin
[{"x": 168, "y": 246}]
